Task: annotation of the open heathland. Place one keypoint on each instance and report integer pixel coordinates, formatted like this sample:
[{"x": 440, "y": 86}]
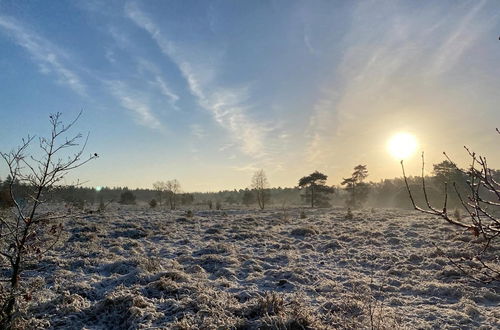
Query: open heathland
[{"x": 134, "y": 267}]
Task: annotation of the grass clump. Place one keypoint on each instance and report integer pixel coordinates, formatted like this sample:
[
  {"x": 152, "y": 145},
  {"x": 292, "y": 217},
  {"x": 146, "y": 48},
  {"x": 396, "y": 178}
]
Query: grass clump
[{"x": 305, "y": 231}]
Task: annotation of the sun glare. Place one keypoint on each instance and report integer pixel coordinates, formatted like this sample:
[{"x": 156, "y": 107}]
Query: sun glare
[{"x": 402, "y": 145}]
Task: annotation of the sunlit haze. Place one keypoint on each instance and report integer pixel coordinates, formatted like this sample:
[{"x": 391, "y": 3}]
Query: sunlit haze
[
  {"x": 402, "y": 145},
  {"x": 208, "y": 92}
]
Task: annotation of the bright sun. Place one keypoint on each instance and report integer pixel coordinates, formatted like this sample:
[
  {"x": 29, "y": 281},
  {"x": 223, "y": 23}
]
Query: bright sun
[{"x": 402, "y": 145}]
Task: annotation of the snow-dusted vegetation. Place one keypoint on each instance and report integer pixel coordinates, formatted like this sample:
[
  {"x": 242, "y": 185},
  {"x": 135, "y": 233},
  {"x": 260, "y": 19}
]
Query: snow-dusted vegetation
[{"x": 134, "y": 267}]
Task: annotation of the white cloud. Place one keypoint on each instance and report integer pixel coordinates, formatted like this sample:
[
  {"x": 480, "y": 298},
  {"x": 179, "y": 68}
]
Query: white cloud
[
  {"x": 307, "y": 40},
  {"x": 251, "y": 168},
  {"x": 49, "y": 58},
  {"x": 462, "y": 37},
  {"x": 110, "y": 56},
  {"x": 226, "y": 146},
  {"x": 159, "y": 82},
  {"x": 197, "y": 131},
  {"x": 227, "y": 105},
  {"x": 135, "y": 103}
]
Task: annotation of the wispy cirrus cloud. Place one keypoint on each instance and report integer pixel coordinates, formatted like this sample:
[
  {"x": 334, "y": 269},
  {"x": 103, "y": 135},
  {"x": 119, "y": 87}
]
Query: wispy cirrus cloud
[
  {"x": 227, "y": 105},
  {"x": 197, "y": 131},
  {"x": 159, "y": 82},
  {"x": 390, "y": 63},
  {"x": 150, "y": 75},
  {"x": 48, "y": 57},
  {"x": 462, "y": 36},
  {"x": 136, "y": 103}
]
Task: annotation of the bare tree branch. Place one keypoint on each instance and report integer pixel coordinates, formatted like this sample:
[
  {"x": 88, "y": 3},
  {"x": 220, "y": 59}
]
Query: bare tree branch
[
  {"x": 30, "y": 233},
  {"x": 484, "y": 193}
]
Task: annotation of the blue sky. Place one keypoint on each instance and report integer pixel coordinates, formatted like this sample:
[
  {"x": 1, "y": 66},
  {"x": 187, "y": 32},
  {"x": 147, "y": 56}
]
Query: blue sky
[{"x": 210, "y": 91}]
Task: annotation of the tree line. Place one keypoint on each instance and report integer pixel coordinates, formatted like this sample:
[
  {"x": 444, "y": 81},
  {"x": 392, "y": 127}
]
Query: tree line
[{"x": 312, "y": 190}]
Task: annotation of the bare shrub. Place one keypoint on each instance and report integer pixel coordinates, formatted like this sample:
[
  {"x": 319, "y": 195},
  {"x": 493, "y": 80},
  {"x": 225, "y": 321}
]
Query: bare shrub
[
  {"x": 349, "y": 215},
  {"x": 172, "y": 189},
  {"x": 159, "y": 187},
  {"x": 360, "y": 309},
  {"x": 269, "y": 304},
  {"x": 482, "y": 209},
  {"x": 27, "y": 232},
  {"x": 260, "y": 185},
  {"x": 284, "y": 211},
  {"x": 102, "y": 206}
]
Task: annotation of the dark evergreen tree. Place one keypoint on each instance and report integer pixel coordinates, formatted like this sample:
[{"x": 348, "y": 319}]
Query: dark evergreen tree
[
  {"x": 248, "y": 198},
  {"x": 447, "y": 173},
  {"x": 127, "y": 197},
  {"x": 316, "y": 190},
  {"x": 357, "y": 189}
]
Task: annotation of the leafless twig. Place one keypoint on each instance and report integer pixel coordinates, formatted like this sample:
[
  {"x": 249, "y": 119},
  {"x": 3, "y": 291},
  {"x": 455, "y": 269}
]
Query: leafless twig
[
  {"x": 483, "y": 197},
  {"x": 27, "y": 233}
]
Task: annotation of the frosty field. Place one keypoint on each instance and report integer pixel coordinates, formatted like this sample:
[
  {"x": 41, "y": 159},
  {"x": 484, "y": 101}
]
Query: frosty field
[{"x": 134, "y": 267}]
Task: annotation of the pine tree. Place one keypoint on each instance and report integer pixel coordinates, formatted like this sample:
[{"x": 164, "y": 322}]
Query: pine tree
[
  {"x": 357, "y": 189},
  {"x": 316, "y": 190}
]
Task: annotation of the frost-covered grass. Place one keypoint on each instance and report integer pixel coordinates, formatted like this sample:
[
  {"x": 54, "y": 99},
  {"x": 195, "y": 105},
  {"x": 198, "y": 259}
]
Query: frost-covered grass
[{"x": 140, "y": 268}]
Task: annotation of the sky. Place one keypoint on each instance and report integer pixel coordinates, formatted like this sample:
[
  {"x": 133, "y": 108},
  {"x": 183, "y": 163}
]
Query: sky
[{"x": 208, "y": 92}]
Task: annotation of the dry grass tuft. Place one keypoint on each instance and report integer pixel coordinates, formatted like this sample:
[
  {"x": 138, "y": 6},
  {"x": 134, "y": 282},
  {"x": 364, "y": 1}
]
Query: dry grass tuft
[{"x": 305, "y": 231}]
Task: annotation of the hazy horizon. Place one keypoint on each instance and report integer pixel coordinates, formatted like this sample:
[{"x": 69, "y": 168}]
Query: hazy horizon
[{"x": 209, "y": 92}]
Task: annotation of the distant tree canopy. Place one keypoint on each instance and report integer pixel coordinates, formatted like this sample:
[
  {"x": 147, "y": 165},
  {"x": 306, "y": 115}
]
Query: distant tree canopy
[
  {"x": 186, "y": 199},
  {"x": 127, "y": 197},
  {"x": 455, "y": 178},
  {"x": 5, "y": 198},
  {"x": 316, "y": 190},
  {"x": 248, "y": 198},
  {"x": 356, "y": 188},
  {"x": 385, "y": 193}
]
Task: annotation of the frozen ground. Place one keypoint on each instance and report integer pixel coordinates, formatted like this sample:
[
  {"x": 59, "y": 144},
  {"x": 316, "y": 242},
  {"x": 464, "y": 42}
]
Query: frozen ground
[{"x": 139, "y": 268}]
